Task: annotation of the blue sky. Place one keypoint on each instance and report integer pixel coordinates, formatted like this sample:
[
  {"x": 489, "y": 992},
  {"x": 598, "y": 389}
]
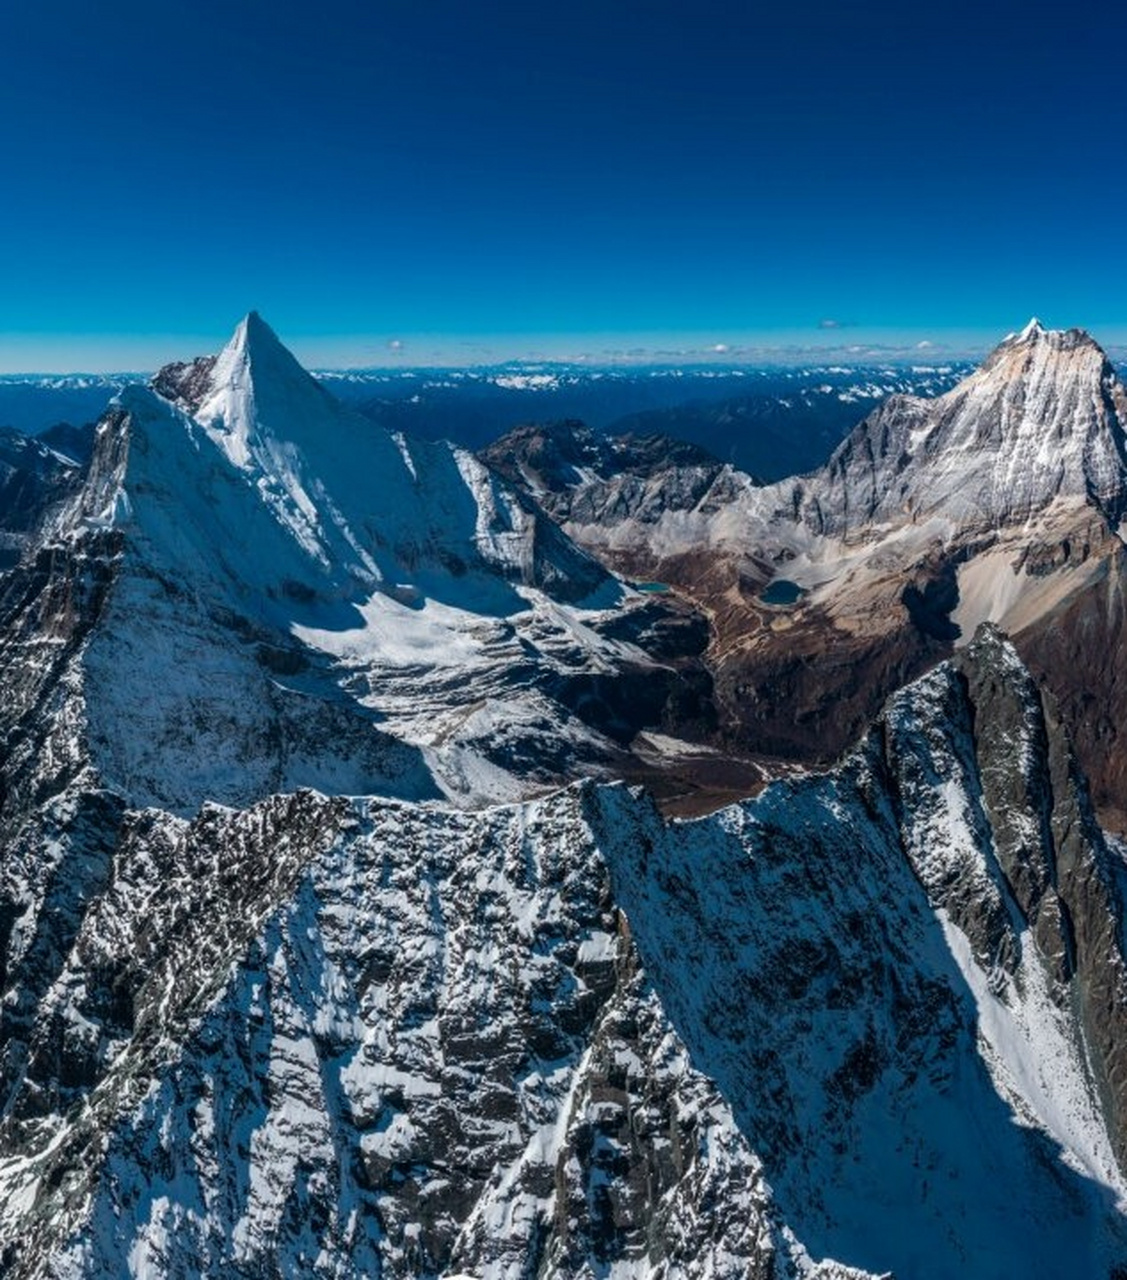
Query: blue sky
[{"x": 474, "y": 179}]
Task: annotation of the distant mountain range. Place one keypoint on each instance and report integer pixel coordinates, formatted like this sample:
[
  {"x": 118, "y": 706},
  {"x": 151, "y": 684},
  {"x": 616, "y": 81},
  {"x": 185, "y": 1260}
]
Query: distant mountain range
[{"x": 771, "y": 422}]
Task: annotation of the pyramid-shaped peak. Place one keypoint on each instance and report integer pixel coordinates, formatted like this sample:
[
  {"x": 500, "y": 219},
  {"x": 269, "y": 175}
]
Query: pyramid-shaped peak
[
  {"x": 254, "y": 341},
  {"x": 252, "y": 330},
  {"x": 254, "y": 355},
  {"x": 1034, "y": 329},
  {"x": 256, "y": 362},
  {"x": 1043, "y": 418},
  {"x": 257, "y": 388}
]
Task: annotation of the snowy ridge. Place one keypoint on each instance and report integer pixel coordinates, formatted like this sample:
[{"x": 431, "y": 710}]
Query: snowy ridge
[
  {"x": 1039, "y": 425},
  {"x": 411, "y": 1033},
  {"x": 361, "y": 1036},
  {"x": 350, "y": 493}
]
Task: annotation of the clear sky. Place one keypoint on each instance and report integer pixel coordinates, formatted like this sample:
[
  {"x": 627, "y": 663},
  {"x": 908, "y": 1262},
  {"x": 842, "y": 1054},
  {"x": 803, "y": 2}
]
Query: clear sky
[{"x": 399, "y": 181}]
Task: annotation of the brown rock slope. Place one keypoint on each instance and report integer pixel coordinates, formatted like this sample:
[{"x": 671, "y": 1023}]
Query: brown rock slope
[{"x": 1001, "y": 501}]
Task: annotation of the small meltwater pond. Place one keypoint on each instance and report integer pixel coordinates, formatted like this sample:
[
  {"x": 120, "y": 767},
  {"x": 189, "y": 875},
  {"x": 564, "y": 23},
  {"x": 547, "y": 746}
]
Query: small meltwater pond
[
  {"x": 652, "y": 588},
  {"x": 781, "y": 592}
]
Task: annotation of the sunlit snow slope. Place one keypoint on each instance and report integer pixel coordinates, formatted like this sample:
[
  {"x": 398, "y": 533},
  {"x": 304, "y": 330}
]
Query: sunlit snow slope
[{"x": 292, "y": 597}]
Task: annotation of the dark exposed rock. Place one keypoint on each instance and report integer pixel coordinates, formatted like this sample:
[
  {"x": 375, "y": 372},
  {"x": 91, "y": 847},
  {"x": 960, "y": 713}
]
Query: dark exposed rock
[
  {"x": 185, "y": 382},
  {"x": 72, "y": 441},
  {"x": 33, "y": 479},
  {"x": 1077, "y": 652},
  {"x": 548, "y": 456},
  {"x": 931, "y": 602}
]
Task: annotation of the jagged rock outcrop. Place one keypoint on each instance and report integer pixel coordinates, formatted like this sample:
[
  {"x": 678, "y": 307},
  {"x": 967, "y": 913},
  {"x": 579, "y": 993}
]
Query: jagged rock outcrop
[
  {"x": 617, "y": 492},
  {"x": 358, "y": 1036},
  {"x": 1041, "y": 420},
  {"x": 434, "y": 1038},
  {"x": 577, "y": 473},
  {"x": 186, "y": 383},
  {"x": 33, "y": 477}
]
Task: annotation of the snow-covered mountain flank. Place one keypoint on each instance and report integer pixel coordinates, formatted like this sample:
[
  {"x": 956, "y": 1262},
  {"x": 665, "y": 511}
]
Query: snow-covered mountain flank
[
  {"x": 873, "y": 1017},
  {"x": 308, "y": 968},
  {"x": 322, "y": 604}
]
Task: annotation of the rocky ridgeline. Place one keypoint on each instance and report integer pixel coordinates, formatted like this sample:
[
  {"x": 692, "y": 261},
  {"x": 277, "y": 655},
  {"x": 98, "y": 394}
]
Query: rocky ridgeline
[
  {"x": 1042, "y": 419},
  {"x": 1000, "y": 500},
  {"x": 359, "y": 1037}
]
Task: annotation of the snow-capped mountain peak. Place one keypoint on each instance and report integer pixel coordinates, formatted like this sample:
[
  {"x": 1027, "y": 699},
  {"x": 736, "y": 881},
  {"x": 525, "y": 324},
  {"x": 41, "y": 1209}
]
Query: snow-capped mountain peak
[
  {"x": 1034, "y": 329},
  {"x": 257, "y": 389},
  {"x": 305, "y": 575},
  {"x": 1040, "y": 345},
  {"x": 319, "y": 1028},
  {"x": 1041, "y": 421},
  {"x": 382, "y": 507}
]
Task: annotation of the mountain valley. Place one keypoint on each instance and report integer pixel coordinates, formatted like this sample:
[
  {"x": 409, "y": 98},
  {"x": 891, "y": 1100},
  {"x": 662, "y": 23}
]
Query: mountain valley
[{"x": 1001, "y": 500}]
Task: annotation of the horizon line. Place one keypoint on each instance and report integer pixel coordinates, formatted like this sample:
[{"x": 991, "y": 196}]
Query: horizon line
[{"x": 27, "y": 354}]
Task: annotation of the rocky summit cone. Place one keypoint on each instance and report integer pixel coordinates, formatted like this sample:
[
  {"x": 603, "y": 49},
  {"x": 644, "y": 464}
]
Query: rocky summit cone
[{"x": 1041, "y": 421}]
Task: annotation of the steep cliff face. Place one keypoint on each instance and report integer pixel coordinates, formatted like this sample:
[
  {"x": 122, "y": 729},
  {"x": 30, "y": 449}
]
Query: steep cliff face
[
  {"x": 867, "y": 1023},
  {"x": 33, "y": 476},
  {"x": 881, "y": 968},
  {"x": 426, "y": 1049},
  {"x": 1043, "y": 419}
]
